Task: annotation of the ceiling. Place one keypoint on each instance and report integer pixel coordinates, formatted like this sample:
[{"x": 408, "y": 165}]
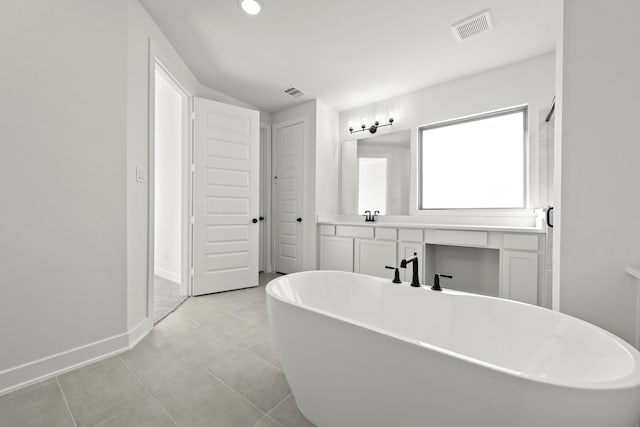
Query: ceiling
[{"x": 347, "y": 53}]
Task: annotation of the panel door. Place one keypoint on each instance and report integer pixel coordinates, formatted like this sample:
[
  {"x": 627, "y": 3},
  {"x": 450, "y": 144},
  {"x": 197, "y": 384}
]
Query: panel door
[
  {"x": 371, "y": 257},
  {"x": 520, "y": 276},
  {"x": 288, "y": 189},
  {"x": 226, "y": 179},
  {"x": 264, "y": 180},
  {"x": 336, "y": 253}
]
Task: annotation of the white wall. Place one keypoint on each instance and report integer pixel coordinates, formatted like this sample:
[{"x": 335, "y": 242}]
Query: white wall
[
  {"x": 528, "y": 82},
  {"x": 305, "y": 111},
  {"x": 327, "y": 159},
  {"x": 74, "y": 124},
  {"x": 599, "y": 209},
  {"x": 63, "y": 159},
  {"x": 168, "y": 137}
]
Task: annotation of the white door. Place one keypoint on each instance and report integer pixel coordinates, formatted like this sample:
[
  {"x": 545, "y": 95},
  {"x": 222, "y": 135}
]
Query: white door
[
  {"x": 226, "y": 179},
  {"x": 288, "y": 191},
  {"x": 264, "y": 179}
]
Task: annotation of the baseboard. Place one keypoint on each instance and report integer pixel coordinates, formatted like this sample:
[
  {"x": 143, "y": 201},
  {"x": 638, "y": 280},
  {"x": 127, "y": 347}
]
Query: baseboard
[
  {"x": 29, "y": 373},
  {"x": 172, "y": 277},
  {"x": 138, "y": 332}
]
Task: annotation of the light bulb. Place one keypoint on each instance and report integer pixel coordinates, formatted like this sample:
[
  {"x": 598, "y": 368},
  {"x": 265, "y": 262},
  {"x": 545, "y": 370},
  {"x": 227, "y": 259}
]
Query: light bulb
[{"x": 252, "y": 7}]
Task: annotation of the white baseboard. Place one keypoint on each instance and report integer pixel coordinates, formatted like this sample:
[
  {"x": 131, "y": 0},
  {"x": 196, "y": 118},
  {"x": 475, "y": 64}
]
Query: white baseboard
[
  {"x": 32, "y": 372},
  {"x": 165, "y": 274}
]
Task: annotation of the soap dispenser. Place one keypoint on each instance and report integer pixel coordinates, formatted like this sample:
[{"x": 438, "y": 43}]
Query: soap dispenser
[{"x": 396, "y": 276}]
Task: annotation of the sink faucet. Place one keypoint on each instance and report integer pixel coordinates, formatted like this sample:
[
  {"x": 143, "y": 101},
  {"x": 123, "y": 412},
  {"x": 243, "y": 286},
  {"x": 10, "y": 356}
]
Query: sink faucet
[
  {"x": 368, "y": 217},
  {"x": 415, "y": 281}
]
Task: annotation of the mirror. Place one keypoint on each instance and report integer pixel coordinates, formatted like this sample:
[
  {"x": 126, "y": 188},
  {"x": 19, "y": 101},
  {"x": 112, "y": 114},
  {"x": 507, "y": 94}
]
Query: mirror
[{"x": 375, "y": 174}]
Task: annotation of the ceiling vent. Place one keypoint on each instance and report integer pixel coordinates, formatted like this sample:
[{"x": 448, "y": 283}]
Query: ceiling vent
[
  {"x": 472, "y": 26},
  {"x": 293, "y": 91}
]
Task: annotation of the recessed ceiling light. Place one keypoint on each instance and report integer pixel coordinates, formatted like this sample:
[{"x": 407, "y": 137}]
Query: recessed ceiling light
[{"x": 252, "y": 7}]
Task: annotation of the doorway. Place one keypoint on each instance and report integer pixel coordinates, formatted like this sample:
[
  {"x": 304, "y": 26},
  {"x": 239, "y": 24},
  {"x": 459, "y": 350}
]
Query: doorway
[{"x": 170, "y": 193}]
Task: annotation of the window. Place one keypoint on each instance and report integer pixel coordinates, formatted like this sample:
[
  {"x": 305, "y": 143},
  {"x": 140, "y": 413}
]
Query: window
[
  {"x": 478, "y": 162},
  {"x": 372, "y": 184}
]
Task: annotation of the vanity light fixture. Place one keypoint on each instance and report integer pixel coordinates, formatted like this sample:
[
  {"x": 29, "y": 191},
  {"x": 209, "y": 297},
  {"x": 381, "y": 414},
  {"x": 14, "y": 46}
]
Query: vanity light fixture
[
  {"x": 251, "y": 7},
  {"x": 373, "y": 128}
]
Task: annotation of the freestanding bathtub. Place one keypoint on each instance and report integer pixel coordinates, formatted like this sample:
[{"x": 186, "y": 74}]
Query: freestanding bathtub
[{"x": 360, "y": 351}]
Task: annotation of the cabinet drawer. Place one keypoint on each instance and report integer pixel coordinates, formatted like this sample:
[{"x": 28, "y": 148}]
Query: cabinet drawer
[
  {"x": 409, "y": 235},
  {"x": 386, "y": 233},
  {"x": 353, "y": 231},
  {"x": 525, "y": 242},
  {"x": 328, "y": 230},
  {"x": 459, "y": 237}
]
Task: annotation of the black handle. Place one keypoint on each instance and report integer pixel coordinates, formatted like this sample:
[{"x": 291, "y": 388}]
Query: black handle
[
  {"x": 254, "y": 220},
  {"x": 396, "y": 276},
  {"x": 436, "y": 281},
  {"x": 299, "y": 219},
  {"x": 261, "y": 218},
  {"x": 549, "y": 217}
]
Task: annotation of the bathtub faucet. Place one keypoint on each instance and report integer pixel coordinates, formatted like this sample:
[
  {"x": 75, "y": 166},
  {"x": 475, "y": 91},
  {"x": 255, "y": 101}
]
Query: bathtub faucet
[{"x": 415, "y": 281}]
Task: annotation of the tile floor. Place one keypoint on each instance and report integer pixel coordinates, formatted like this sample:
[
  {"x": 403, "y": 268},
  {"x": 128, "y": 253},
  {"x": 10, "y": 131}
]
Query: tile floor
[
  {"x": 166, "y": 297},
  {"x": 209, "y": 363}
]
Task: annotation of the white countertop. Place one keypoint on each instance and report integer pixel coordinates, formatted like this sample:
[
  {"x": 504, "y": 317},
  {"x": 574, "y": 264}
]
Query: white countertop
[
  {"x": 634, "y": 271},
  {"x": 438, "y": 226}
]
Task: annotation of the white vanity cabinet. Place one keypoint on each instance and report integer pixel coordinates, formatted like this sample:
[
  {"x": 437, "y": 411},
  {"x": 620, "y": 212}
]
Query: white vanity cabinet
[
  {"x": 336, "y": 253},
  {"x": 494, "y": 261},
  {"x": 520, "y": 276},
  {"x": 371, "y": 257},
  {"x": 520, "y": 266}
]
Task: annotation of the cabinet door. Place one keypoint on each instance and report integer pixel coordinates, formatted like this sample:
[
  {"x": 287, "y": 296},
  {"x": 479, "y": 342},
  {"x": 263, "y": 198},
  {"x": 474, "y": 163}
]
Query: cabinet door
[
  {"x": 371, "y": 256},
  {"x": 405, "y": 250},
  {"x": 520, "y": 276},
  {"x": 336, "y": 253}
]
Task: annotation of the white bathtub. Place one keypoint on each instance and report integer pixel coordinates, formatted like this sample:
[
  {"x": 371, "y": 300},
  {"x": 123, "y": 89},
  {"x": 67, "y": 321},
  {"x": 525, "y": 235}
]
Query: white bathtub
[{"x": 360, "y": 351}]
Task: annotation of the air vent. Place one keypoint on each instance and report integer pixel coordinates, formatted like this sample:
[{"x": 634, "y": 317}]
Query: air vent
[
  {"x": 472, "y": 25},
  {"x": 294, "y": 91}
]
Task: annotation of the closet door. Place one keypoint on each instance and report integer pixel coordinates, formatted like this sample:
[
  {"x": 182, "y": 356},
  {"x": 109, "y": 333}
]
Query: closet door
[{"x": 288, "y": 175}]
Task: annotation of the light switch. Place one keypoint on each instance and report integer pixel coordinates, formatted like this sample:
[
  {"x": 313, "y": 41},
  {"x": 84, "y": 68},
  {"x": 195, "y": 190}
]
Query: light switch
[{"x": 141, "y": 176}]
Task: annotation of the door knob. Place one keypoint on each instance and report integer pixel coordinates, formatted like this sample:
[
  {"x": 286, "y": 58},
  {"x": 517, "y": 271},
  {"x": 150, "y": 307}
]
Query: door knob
[
  {"x": 254, "y": 220},
  {"x": 261, "y": 218},
  {"x": 299, "y": 219}
]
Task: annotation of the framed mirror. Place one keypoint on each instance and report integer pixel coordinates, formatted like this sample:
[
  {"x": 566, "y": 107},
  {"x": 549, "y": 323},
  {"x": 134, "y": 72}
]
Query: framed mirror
[{"x": 376, "y": 174}]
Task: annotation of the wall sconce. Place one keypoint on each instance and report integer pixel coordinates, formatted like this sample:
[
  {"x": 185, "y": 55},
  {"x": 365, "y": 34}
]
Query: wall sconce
[{"x": 373, "y": 128}]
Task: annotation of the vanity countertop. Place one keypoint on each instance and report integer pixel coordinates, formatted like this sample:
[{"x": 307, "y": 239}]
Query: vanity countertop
[{"x": 513, "y": 229}]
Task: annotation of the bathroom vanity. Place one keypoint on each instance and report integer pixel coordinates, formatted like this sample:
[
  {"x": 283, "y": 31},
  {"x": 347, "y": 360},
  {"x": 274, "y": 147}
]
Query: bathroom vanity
[{"x": 507, "y": 262}]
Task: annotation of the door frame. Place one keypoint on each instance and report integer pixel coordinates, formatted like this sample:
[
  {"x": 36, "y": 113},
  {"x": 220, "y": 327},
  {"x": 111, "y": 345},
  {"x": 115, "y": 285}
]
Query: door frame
[
  {"x": 186, "y": 227},
  {"x": 265, "y": 179},
  {"x": 304, "y": 120}
]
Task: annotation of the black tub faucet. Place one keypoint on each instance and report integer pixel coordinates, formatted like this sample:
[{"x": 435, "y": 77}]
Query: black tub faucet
[
  {"x": 396, "y": 275},
  {"x": 436, "y": 281},
  {"x": 368, "y": 217},
  {"x": 415, "y": 280}
]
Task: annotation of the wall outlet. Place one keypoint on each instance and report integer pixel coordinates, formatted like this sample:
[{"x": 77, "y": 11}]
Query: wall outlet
[{"x": 141, "y": 175}]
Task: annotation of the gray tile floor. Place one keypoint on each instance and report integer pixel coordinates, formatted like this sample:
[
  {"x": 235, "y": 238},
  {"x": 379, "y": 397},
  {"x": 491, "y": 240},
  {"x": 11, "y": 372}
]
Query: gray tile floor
[
  {"x": 166, "y": 297},
  {"x": 209, "y": 363}
]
